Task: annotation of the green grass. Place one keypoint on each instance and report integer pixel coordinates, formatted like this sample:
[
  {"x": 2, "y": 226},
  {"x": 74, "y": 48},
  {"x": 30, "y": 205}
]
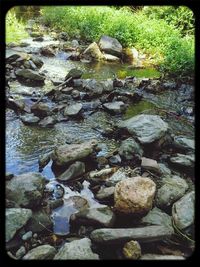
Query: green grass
[
  {"x": 152, "y": 35},
  {"x": 15, "y": 31}
]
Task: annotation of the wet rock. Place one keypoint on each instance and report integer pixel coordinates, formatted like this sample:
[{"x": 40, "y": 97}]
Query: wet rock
[
  {"x": 132, "y": 250},
  {"x": 67, "y": 154},
  {"x": 130, "y": 55},
  {"x": 74, "y": 74},
  {"x": 172, "y": 189},
  {"x": 44, "y": 252},
  {"x": 20, "y": 252},
  {"x": 130, "y": 149},
  {"x": 73, "y": 110},
  {"x": 47, "y": 51},
  {"x": 116, "y": 107},
  {"x": 38, "y": 39},
  {"x": 92, "y": 52},
  {"x": 27, "y": 236},
  {"x": 184, "y": 143},
  {"x": 118, "y": 176},
  {"x": 37, "y": 61},
  {"x": 105, "y": 193},
  {"x": 100, "y": 176},
  {"x": 53, "y": 204},
  {"x": 56, "y": 81},
  {"x": 134, "y": 195},
  {"x": 157, "y": 217},
  {"x": 100, "y": 216},
  {"x": 147, "y": 128},
  {"x": 75, "y": 170},
  {"x": 181, "y": 160},
  {"x": 92, "y": 87},
  {"x": 40, "y": 110},
  {"x": 44, "y": 159},
  {"x": 63, "y": 36},
  {"x": 47, "y": 122},
  {"x": 149, "y": 256},
  {"x": 183, "y": 211},
  {"x": 111, "y": 58},
  {"x": 15, "y": 219},
  {"x": 110, "y": 45},
  {"x": 150, "y": 164},
  {"x": 31, "y": 75},
  {"x": 29, "y": 119},
  {"x": 39, "y": 222},
  {"x": 16, "y": 105},
  {"x": 118, "y": 83},
  {"x": 26, "y": 189},
  {"x": 12, "y": 58},
  {"x": 35, "y": 34},
  {"x": 141, "y": 234},
  {"x": 76, "y": 250},
  {"x": 107, "y": 85}
]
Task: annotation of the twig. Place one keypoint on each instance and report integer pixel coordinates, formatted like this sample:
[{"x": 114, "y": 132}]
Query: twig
[
  {"x": 45, "y": 227},
  {"x": 181, "y": 233}
]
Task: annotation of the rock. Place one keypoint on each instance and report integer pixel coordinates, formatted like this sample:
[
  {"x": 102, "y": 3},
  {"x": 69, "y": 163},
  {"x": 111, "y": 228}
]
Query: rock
[
  {"x": 147, "y": 128},
  {"x": 44, "y": 252},
  {"x": 15, "y": 219},
  {"x": 9, "y": 176},
  {"x": 110, "y": 45},
  {"x": 100, "y": 216},
  {"x": 120, "y": 235},
  {"x": 38, "y": 39},
  {"x": 92, "y": 52},
  {"x": 100, "y": 176},
  {"x": 111, "y": 58},
  {"x": 40, "y": 110},
  {"x": 73, "y": 110},
  {"x": 39, "y": 222},
  {"x": 93, "y": 87},
  {"x": 27, "y": 236},
  {"x": 76, "y": 250},
  {"x": 118, "y": 176},
  {"x": 130, "y": 55},
  {"x": 105, "y": 193},
  {"x": 164, "y": 169},
  {"x": 37, "y": 61},
  {"x": 74, "y": 43},
  {"x": 149, "y": 256},
  {"x": 44, "y": 159},
  {"x": 47, "y": 51},
  {"x": 67, "y": 154},
  {"x": 31, "y": 75},
  {"x": 12, "y": 58},
  {"x": 64, "y": 36},
  {"x": 75, "y": 170},
  {"x": 157, "y": 217},
  {"x": 16, "y": 105},
  {"x": 29, "y": 119},
  {"x": 150, "y": 164},
  {"x": 184, "y": 143},
  {"x": 74, "y": 74},
  {"x": 115, "y": 160},
  {"x": 130, "y": 149},
  {"x": 172, "y": 189},
  {"x": 181, "y": 160},
  {"x": 76, "y": 94},
  {"x": 183, "y": 211},
  {"x": 20, "y": 252},
  {"x": 132, "y": 250},
  {"x": 55, "y": 203},
  {"x": 134, "y": 195},
  {"x": 116, "y": 107},
  {"x": 56, "y": 81},
  {"x": 26, "y": 189},
  {"x": 47, "y": 122},
  {"x": 35, "y": 34}
]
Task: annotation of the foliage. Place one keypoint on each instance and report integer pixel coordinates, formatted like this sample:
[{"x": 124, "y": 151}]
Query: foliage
[{"x": 14, "y": 28}]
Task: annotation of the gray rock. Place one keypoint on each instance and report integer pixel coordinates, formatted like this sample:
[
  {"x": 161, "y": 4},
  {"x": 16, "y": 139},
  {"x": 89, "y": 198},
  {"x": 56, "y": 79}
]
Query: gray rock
[
  {"x": 76, "y": 250},
  {"x": 15, "y": 219},
  {"x": 101, "y": 216},
  {"x": 93, "y": 87},
  {"x": 115, "y": 107},
  {"x": 20, "y": 252},
  {"x": 172, "y": 189},
  {"x": 149, "y": 256},
  {"x": 164, "y": 169},
  {"x": 105, "y": 193},
  {"x": 75, "y": 170},
  {"x": 27, "y": 236},
  {"x": 74, "y": 74},
  {"x": 67, "y": 154},
  {"x": 111, "y": 58},
  {"x": 110, "y": 45},
  {"x": 30, "y": 74},
  {"x": 129, "y": 149},
  {"x": 121, "y": 235},
  {"x": 37, "y": 61},
  {"x": 118, "y": 176},
  {"x": 29, "y": 119},
  {"x": 12, "y": 58},
  {"x": 40, "y": 110},
  {"x": 16, "y": 105},
  {"x": 92, "y": 52},
  {"x": 75, "y": 43},
  {"x": 158, "y": 217},
  {"x": 39, "y": 222},
  {"x": 183, "y": 211},
  {"x": 150, "y": 164},
  {"x": 147, "y": 128},
  {"x": 47, "y": 122},
  {"x": 44, "y": 252},
  {"x": 184, "y": 143},
  {"x": 47, "y": 51},
  {"x": 181, "y": 160},
  {"x": 73, "y": 110},
  {"x": 26, "y": 189}
]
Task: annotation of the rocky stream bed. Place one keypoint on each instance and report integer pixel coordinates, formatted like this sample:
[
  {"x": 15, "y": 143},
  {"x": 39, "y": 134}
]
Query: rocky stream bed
[{"x": 97, "y": 166}]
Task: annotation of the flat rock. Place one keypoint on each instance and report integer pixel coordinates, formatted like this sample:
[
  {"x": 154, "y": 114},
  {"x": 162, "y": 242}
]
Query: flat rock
[
  {"x": 44, "y": 252},
  {"x": 150, "y": 164},
  {"x": 172, "y": 189},
  {"x": 110, "y": 45},
  {"x": 15, "y": 219},
  {"x": 111, "y": 58},
  {"x": 134, "y": 195},
  {"x": 73, "y": 110},
  {"x": 26, "y": 189},
  {"x": 76, "y": 250},
  {"x": 181, "y": 160},
  {"x": 75, "y": 170},
  {"x": 183, "y": 211},
  {"x": 29, "y": 119},
  {"x": 116, "y": 107},
  {"x": 30, "y": 74},
  {"x": 140, "y": 234},
  {"x": 149, "y": 256},
  {"x": 147, "y": 128},
  {"x": 40, "y": 110},
  {"x": 67, "y": 154},
  {"x": 101, "y": 216}
]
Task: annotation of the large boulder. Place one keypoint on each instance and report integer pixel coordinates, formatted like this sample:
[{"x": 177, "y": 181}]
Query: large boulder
[
  {"x": 134, "y": 195},
  {"x": 26, "y": 189},
  {"x": 67, "y": 154},
  {"x": 92, "y": 52},
  {"x": 146, "y": 128},
  {"x": 75, "y": 170},
  {"x": 110, "y": 45},
  {"x": 76, "y": 250},
  {"x": 44, "y": 252},
  {"x": 16, "y": 218},
  {"x": 31, "y": 75}
]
